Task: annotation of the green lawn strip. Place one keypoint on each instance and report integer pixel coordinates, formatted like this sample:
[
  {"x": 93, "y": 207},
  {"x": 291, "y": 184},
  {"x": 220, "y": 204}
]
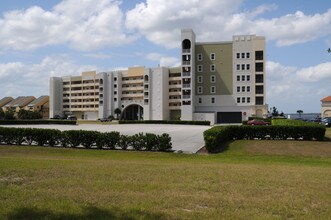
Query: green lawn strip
[{"x": 37, "y": 182}]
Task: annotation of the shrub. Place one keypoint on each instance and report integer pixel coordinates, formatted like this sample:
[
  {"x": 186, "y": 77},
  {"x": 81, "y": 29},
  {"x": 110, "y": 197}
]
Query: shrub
[
  {"x": 124, "y": 141},
  {"x": 217, "y": 137},
  {"x": 71, "y": 138},
  {"x": 164, "y": 142},
  {"x": 108, "y": 140},
  {"x": 152, "y": 141},
  {"x": 24, "y": 122}
]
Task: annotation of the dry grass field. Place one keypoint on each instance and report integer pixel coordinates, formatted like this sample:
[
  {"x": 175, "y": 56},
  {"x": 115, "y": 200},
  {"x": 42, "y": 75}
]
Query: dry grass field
[{"x": 251, "y": 180}]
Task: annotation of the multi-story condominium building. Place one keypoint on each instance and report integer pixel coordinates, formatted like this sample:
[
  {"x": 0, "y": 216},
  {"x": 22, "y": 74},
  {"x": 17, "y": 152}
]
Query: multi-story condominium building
[
  {"x": 326, "y": 107},
  {"x": 222, "y": 82}
]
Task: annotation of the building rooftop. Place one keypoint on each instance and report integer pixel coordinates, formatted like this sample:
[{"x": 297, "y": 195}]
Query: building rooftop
[
  {"x": 20, "y": 101},
  {"x": 41, "y": 100},
  {"x": 5, "y": 100},
  {"x": 326, "y": 99}
]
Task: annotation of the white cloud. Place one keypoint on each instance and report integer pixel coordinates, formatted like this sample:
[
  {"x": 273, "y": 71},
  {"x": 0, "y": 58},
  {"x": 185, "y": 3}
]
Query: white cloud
[
  {"x": 18, "y": 78},
  {"x": 163, "y": 60},
  {"x": 98, "y": 55},
  {"x": 83, "y": 25},
  {"x": 215, "y": 20},
  {"x": 321, "y": 72},
  {"x": 292, "y": 88}
]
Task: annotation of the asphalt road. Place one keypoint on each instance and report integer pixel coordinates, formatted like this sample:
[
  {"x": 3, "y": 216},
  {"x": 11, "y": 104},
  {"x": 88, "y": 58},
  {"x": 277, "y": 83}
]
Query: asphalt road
[{"x": 187, "y": 138}]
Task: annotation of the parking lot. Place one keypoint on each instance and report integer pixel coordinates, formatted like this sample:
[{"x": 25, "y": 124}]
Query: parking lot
[{"x": 187, "y": 138}]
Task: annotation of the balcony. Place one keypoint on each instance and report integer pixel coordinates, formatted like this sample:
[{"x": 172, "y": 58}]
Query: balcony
[
  {"x": 137, "y": 88},
  {"x": 175, "y": 93},
  {"x": 175, "y": 86},
  {"x": 186, "y": 62},
  {"x": 186, "y": 85},
  {"x": 133, "y": 95},
  {"x": 186, "y": 74},
  {"x": 174, "y": 107},
  {"x": 186, "y": 96},
  {"x": 175, "y": 78}
]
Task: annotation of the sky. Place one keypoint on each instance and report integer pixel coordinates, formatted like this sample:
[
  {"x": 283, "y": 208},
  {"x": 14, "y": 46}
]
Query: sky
[{"x": 40, "y": 39}]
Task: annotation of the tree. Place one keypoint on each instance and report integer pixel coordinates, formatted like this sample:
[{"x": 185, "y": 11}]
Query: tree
[
  {"x": 10, "y": 114},
  {"x": 299, "y": 112},
  {"x": 2, "y": 114},
  {"x": 117, "y": 111},
  {"x": 274, "y": 111}
]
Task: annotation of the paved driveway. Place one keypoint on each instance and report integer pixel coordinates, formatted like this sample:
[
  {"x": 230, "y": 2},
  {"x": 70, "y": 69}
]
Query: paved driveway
[{"x": 188, "y": 138}]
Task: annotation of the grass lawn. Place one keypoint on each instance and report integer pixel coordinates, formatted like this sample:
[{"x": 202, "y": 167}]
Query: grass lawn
[{"x": 251, "y": 180}]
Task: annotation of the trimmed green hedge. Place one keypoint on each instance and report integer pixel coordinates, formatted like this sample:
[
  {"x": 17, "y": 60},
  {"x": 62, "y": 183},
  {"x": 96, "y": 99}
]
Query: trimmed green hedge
[
  {"x": 164, "y": 122},
  {"x": 33, "y": 122},
  {"x": 84, "y": 139},
  {"x": 216, "y": 137}
]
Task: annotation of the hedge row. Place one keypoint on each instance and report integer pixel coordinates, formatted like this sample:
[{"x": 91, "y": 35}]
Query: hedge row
[
  {"x": 84, "y": 139},
  {"x": 30, "y": 122},
  {"x": 164, "y": 122},
  {"x": 216, "y": 137},
  {"x": 293, "y": 122}
]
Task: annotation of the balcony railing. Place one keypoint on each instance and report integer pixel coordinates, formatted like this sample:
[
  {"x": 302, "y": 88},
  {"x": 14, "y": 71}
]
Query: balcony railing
[
  {"x": 186, "y": 74},
  {"x": 186, "y": 85},
  {"x": 186, "y": 62},
  {"x": 186, "y": 50}
]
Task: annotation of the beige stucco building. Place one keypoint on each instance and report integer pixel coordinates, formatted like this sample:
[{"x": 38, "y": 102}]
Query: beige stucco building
[{"x": 326, "y": 107}]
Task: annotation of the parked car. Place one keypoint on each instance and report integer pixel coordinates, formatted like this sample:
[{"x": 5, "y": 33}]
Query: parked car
[
  {"x": 258, "y": 122},
  {"x": 326, "y": 122},
  {"x": 72, "y": 117},
  {"x": 105, "y": 119}
]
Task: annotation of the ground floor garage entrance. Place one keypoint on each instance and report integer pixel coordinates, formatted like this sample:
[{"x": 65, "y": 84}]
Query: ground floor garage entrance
[{"x": 229, "y": 117}]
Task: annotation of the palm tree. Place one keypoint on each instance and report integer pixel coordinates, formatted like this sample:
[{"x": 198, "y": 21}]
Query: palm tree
[
  {"x": 117, "y": 111},
  {"x": 300, "y": 112}
]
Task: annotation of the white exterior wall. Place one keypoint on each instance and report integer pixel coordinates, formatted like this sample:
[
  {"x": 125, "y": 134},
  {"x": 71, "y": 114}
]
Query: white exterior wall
[
  {"x": 55, "y": 97},
  {"x": 205, "y": 117},
  {"x": 159, "y": 94}
]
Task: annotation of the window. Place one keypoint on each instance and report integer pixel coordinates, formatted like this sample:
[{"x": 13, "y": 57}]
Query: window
[
  {"x": 248, "y": 99},
  {"x": 212, "y": 68},
  {"x": 243, "y": 89},
  {"x": 259, "y": 55},
  {"x": 243, "y": 78},
  {"x": 115, "y": 79},
  {"x": 115, "y": 92},
  {"x": 248, "y": 66},
  {"x": 238, "y": 66},
  {"x": 242, "y": 55},
  {"x": 212, "y": 78},
  {"x": 248, "y": 55},
  {"x": 200, "y": 79},
  {"x": 212, "y": 56},
  {"x": 238, "y": 55},
  {"x": 248, "y": 89},
  {"x": 243, "y": 99},
  {"x": 200, "y": 90},
  {"x": 242, "y": 66},
  {"x": 259, "y": 67},
  {"x": 238, "y": 100},
  {"x": 115, "y": 85},
  {"x": 212, "y": 89},
  {"x": 248, "y": 78},
  {"x": 238, "y": 78},
  {"x": 200, "y": 100},
  {"x": 238, "y": 88},
  {"x": 115, "y": 99},
  {"x": 212, "y": 100},
  {"x": 199, "y": 57},
  {"x": 258, "y": 100},
  {"x": 200, "y": 68}
]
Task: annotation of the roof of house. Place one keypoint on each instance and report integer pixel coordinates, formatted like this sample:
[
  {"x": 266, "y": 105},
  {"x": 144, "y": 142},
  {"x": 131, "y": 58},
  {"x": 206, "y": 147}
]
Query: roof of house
[
  {"x": 20, "y": 101},
  {"x": 5, "y": 100},
  {"x": 39, "y": 101},
  {"x": 326, "y": 99}
]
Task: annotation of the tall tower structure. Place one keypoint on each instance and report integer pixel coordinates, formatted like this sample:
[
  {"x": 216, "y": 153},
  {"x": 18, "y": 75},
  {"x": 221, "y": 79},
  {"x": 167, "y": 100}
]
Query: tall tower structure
[{"x": 188, "y": 73}]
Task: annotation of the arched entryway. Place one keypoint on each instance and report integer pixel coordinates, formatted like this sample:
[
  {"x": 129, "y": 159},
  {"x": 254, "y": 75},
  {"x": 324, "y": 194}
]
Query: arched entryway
[{"x": 133, "y": 112}]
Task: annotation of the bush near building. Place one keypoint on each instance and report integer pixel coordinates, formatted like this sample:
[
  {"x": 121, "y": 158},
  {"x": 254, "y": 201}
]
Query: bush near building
[
  {"x": 84, "y": 139},
  {"x": 217, "y": 137}
]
